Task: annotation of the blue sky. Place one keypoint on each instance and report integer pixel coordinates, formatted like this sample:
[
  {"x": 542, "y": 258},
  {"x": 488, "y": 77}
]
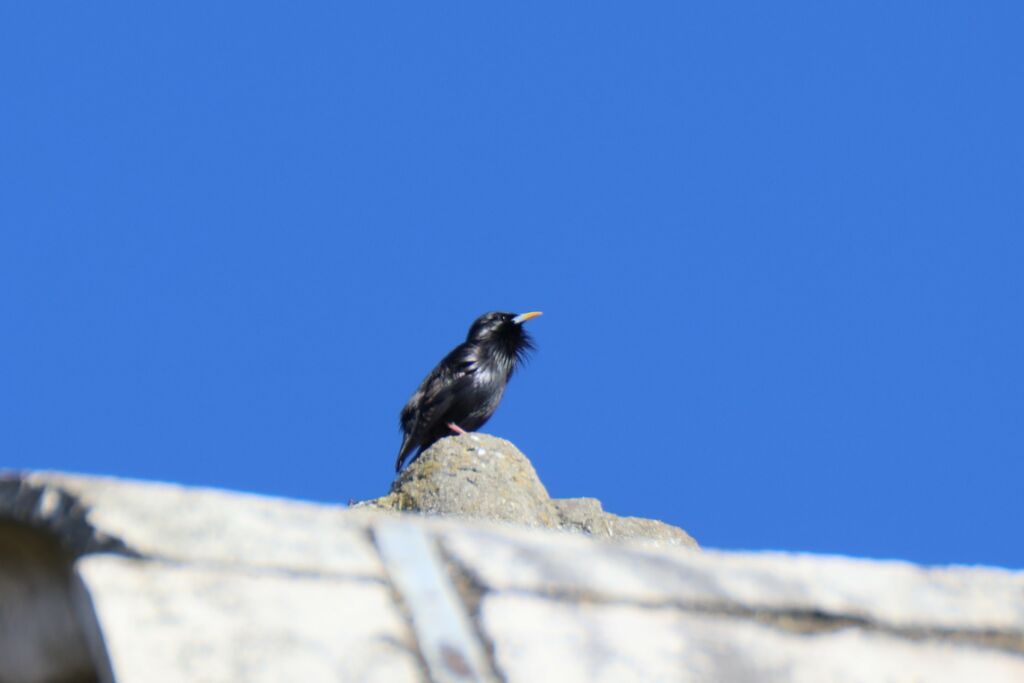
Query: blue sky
[{"x": 779, "y": 249}]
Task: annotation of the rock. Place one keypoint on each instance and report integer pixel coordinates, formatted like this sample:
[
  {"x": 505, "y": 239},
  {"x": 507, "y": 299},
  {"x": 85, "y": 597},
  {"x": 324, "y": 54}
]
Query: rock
[
  {"x": 483, "y": 477},
  {"x": 586, "y": 515},
  {"x": 476, "y": 476}
]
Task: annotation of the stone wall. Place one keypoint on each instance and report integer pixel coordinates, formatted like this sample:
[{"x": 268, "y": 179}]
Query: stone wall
[{"x": 111, "y": 580}]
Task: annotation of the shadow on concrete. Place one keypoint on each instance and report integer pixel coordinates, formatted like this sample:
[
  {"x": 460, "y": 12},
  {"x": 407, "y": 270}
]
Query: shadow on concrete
[{"x": 48, "y": 627}]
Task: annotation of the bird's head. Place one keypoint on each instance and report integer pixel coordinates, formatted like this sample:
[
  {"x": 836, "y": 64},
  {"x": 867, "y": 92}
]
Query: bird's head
[{"x": 503, "y": 333}]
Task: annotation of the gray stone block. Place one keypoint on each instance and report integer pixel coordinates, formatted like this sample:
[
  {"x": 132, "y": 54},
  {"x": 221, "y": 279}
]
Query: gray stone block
[
  {"x": 895, "y": 594},
  {"x": 203, "y": 525},
  {"x": 104, "y": 580},
  {"x": 171, "y": 622},
  {"x": 612, "y": 643}
]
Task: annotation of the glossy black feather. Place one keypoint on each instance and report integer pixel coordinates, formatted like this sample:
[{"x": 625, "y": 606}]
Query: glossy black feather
[{"x": 466, "y": 386}]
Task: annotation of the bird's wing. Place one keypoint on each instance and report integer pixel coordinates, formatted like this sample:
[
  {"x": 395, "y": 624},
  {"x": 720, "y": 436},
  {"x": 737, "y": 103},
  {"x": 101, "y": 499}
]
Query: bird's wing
[
  {"x": 427, "y": 405},
  {"x": 440, "y": 394},
  {"x": 433, "y": 397}
]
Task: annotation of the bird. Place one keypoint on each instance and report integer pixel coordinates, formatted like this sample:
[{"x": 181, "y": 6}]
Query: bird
[{"x": 462, "y": 392}]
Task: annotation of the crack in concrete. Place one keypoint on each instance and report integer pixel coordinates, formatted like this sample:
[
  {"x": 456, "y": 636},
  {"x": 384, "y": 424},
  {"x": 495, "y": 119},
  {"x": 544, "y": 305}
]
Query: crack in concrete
[{"x": 471, "y": 589}]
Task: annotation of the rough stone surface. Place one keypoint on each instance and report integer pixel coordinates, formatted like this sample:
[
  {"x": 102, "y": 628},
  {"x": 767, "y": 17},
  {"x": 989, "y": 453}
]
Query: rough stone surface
[
  {"x": 476, "y": 476},
  {"x": 482, "y": 477},
  {"x": 99, "y": 581},
  {"x": 587, "y": 516}
]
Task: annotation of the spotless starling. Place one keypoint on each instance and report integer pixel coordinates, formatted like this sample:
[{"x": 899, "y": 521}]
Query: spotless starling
[{"x": 464, "y": 390}]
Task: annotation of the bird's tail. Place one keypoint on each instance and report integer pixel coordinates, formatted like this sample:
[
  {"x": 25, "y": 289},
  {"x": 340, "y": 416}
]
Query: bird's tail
[{"x": 403, "y": 452}]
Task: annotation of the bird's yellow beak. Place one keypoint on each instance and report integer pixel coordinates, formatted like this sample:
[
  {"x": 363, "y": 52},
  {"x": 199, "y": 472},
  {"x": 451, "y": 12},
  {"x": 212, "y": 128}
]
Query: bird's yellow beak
[{"x": 523, "y": 317}]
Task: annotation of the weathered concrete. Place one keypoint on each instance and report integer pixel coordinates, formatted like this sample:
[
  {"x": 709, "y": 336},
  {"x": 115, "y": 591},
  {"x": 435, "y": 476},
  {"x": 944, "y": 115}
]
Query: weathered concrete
[
  {"x": 445, "y": 632},
  {"x": 533, "y": 635},
  {"x": 167, "y": 622},
  {"x": 896, "y": 595},
  {"x": 587, "y": 516},
  {"x": 190, "y": 524},
  {"x": 173, "y": 584},
  {"x": 478, "y": 476}
]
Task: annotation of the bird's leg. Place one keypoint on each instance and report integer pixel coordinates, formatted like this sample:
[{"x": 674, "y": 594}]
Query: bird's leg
[{"x": 456, "y": 428}]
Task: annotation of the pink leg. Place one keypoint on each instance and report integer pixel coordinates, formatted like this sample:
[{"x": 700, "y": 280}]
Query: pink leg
[{"x": 456, "y": 428}]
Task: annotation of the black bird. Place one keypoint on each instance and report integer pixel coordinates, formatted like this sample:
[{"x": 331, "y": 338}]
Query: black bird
[{"x": 465, "y": 388}]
